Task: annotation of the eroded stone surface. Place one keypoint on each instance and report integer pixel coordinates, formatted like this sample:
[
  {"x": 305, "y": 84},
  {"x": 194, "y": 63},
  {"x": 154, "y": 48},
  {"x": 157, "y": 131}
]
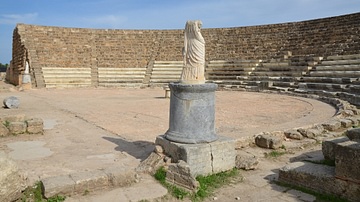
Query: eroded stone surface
[
  {"x": 11, "y": 102},
  {"x": 12, "y": 181},
  {"x": 268, "y": 141}
]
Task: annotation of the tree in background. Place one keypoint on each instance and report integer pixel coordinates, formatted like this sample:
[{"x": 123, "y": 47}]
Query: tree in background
[{"x": 3, "y": 67}]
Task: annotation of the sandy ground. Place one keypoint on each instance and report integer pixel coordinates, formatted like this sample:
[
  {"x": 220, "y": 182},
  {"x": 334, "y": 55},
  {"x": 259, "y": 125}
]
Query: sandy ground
[{"x": 93, "y": 128}]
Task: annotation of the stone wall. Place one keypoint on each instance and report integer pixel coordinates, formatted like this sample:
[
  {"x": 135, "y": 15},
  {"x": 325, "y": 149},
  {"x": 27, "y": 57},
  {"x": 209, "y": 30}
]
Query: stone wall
[{"x": 46, "y": 46}]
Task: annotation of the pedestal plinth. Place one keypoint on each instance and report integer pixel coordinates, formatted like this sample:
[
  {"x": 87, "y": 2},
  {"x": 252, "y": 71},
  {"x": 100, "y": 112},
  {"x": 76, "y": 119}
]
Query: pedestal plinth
[{"x": 192, "y": 113}]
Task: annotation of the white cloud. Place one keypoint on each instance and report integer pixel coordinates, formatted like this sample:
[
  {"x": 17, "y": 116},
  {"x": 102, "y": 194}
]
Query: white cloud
[
  {"x": 109, "y": 21},
  {"x": 10, "y": 19}
]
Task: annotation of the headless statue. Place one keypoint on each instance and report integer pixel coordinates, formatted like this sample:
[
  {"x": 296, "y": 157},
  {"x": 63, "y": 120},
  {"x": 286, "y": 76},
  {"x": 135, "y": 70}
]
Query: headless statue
[{"x": 194, "y": 54}]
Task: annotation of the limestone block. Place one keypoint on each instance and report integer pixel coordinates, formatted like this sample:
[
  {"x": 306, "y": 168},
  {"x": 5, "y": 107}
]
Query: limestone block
[
  {"x": 223, "y": 154},
  {"x": 268, "y": 141},
  {"x": 246, "y": 161},
  {"x": 4, "y": 131},
  {"x": 11, "y": 102},
  {"x": 12, "y": 182},
  {"x": 347, "y": 161},
  {"x": 320, "y": 178},
  {"x": 204, "y": 158},
  {"x": 58, "y": 185},
  {"x": 180, "y": 175},
  {"x": 346, "y": 123},
  {"x": 294, "y": 134},
  {"x": 353, "y": 134},
  {"x": 119, "y": 176},
  {"x": 354, "y": 121},
  {"x": 35, "y": 126},
  {"x": 332, "y": 125},
  {"x": 312, "y": 132},
  {"x": 17, "y": 127},
  {"x": 90, "y": 181},
  {"x": 14, "y": 118},
  {"x": 328, "y": 147},
  {"x": 151, "y": 163}
]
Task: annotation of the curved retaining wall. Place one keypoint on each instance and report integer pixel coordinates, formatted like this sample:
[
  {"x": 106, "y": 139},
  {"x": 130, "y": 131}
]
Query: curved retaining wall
[{"x": 45, "y": 46}]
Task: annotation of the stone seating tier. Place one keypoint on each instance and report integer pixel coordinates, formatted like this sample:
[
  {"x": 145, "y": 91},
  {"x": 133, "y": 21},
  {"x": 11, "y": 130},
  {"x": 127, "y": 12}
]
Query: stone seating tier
[
  {"x": 55, "y": 77},
  {"x": 164, "y": 72},
  {"x": 121, "y": 77}
]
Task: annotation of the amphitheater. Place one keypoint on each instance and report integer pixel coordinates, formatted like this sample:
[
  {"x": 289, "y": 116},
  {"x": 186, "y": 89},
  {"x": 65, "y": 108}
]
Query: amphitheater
[{"x": 313, "y": 59}]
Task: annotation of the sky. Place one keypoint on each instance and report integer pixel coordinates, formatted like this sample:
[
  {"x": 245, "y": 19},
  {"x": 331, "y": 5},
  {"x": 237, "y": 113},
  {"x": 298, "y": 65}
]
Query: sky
[{"x": 156, "y": 14}]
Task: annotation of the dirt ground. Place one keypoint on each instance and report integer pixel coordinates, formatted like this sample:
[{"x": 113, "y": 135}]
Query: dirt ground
[{"x": 92, "y": 128}]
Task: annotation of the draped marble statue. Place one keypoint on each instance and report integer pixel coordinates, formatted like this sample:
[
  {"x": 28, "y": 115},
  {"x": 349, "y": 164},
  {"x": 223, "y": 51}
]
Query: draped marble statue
[{"x": 193, "y": 54}]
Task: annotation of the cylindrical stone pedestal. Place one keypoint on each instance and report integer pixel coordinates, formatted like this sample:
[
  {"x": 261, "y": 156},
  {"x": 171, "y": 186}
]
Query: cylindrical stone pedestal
[{"x": 192, "y": 113}]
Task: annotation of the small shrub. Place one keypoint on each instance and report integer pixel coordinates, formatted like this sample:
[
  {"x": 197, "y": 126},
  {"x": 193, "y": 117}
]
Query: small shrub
[
  {"x": 274, "y": 154},
  {"x": 35, "y": 193}
]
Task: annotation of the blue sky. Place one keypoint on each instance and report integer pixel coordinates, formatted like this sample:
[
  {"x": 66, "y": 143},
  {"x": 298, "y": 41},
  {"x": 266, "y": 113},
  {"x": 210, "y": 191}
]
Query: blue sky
[{"x": 156, "y": 14}]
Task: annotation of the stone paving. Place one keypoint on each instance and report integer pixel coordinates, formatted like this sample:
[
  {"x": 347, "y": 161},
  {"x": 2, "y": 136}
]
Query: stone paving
[{"x": 92, "y": 129}]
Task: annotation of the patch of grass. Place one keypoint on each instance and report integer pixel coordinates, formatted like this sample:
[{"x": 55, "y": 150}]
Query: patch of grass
[
  {"x": 283, "y": 147},
  {"x": 211, "y": 182},
  {"x": 7, "y": 124},
  {"x": 319, "y": 197},
  {"x": 178, "y": 193},
  {"x": 86, "y": 192},
  {"x": 207, "y": 184},
  {"x": 274, "y": 154},
  {"x": 36, "y": 193}
]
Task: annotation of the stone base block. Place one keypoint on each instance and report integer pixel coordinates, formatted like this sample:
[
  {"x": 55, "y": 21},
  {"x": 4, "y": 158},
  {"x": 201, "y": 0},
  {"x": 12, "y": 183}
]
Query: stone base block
[
  {"x": 320, "y": 178},
  {"x": 329, "y": 147},
  {"x": 35, "y": 126},
  {"x": 347, "y": 161},
  {"x": 203, "y": 159}
]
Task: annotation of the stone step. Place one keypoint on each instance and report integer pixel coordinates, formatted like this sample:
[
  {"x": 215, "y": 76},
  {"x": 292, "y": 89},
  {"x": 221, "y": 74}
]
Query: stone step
[
  {"x": 275, "y": 64},
  {"x": 65, "y": 76},
  {"x": 270, "y": 78},
  {"x": 169, "y": 66},
  {"x": 335, "y": 74},
  {"x": 170, "y": 76},
  {"x": 220, "y": 65},
  {"x": 167, "y": 62},
  {"x": 234, "y": 61},
  {"x": 325, "y": 86},
  {"x": 114, "y": 73},
  {"x": 218, "y": 77},
  {"x": 215, "y": 69},
  {"x": 343, "y": 57},
  {"x": 226, "y": 73},
  {"x": 285, "y": 84},
  {"x": 318, "y": 177},
  {"x": 130, "y": 76},
  {"x": 163, "y": 80},
  {"x": 340, "y": 62},
  {"x": 284, "y": 68},
  {"x": 338, "y": 68},
  {"x": 166, "y": 73},
  {"x": 277, "y": 73},
  {"x": 329, "y": 80},
  {"x": 67, "y": 85},
  {"x": 156, "y": 69},
  {"x": 120, "y": 80},
  {"x": 123, "y": 85},
  {"x": 128, "y": 69}
]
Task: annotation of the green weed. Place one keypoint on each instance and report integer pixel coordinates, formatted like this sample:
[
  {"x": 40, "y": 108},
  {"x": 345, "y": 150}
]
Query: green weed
[
  {"x": 35, "y": 193},
  {"x": 274, "y": 154},
  {"x": 207, "y": 184}
]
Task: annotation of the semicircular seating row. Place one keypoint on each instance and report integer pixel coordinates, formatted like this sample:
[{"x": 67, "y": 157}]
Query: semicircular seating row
[{"x": 334, "y": 76}]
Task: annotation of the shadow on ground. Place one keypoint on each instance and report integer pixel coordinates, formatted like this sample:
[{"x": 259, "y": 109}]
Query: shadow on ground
[{"x": 138, "y": 149}]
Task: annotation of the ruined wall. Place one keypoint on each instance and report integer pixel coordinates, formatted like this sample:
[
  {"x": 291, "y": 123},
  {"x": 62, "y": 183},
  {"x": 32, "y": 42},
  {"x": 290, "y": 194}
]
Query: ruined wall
[{"x": 75, "y": 47}]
